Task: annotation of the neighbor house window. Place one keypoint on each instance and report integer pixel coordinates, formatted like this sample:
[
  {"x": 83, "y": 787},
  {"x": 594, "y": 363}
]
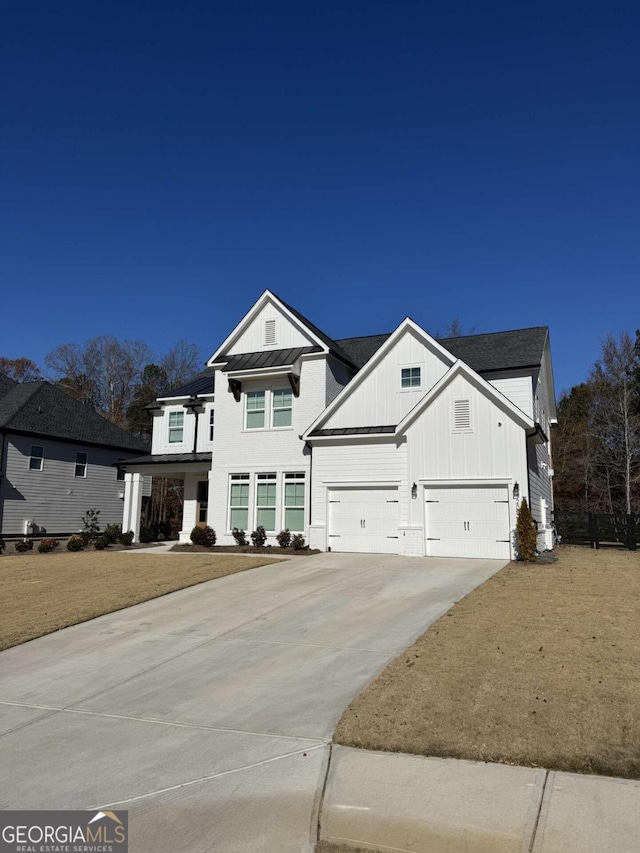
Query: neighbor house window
[
  {"x": 462, "y": 415},
  {"x": 176, "y": 427},
  {"x": 211, "y": 419},
  {"x": 410, "y": 377},
  {"x": 81, "y": 465},
  {"x": 239, "y": 501},
  {"x": 254, "y": 408},
  {"x": 281, "y": 408},
  {"x": 266, "y": 501},
  {"x": 36, "y": 458},
  {"x": 119, "y": 473},
  {"x": 294, "y": 502}
]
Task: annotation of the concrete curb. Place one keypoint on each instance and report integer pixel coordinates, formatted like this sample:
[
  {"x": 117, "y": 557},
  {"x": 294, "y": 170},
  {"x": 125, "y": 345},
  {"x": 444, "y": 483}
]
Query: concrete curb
[{"x": 397, "y": 802}]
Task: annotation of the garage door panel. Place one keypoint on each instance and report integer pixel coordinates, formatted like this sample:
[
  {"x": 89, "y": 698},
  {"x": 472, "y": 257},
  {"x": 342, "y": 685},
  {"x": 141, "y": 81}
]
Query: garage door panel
[
  {"x": 468, "y": 521},
  {"x": 364, "y": 520}
]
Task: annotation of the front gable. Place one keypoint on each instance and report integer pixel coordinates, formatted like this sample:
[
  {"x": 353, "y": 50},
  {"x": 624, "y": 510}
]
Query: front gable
[
  {"x": 268, "y": 326},
  {"x": 381, "y": 395}
]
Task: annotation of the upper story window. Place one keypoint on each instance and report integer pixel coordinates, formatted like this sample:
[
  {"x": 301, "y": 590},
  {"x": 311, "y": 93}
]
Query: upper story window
[
  {"x": 462, "y": 415},
  {"x": 36, "y": 458},
  {"x": 269, "y": 333},
  {"x": 281, "y": 408},
  {"x": 81, "y": 465},
  {"x": 410, "y": 377},
  {"x": 254, "y": 409},
  {"x": 176, "y": 427},
  {"x": 211, "y": 420}
]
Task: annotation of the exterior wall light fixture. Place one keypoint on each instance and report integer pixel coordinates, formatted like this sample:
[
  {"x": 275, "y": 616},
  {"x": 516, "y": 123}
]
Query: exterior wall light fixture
[{"x": 414, "y": 491}]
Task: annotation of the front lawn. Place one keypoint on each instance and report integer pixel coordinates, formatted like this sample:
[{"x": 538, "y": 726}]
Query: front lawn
[
  {"x": 41, "y": 593},
  {"x": 537, "y": 666}
]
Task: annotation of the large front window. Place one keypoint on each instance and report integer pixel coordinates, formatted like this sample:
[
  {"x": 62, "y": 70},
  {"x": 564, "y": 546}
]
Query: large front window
[
  {"x": 176, "y": 427},
  {"x": 281, "y": 402},
  {"x": 294, "y": 502},
  {"x": 255, "y": 409},
  {"x": 266, "y": 488},
  {"x": 239, "y": 502}
]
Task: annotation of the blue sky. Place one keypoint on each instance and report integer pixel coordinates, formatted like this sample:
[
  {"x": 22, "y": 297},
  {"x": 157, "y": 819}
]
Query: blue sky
[{"x": 163, "y": 163}]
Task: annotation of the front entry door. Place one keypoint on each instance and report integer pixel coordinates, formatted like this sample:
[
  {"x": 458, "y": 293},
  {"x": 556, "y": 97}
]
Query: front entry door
[{"x": 202, "y": 503}]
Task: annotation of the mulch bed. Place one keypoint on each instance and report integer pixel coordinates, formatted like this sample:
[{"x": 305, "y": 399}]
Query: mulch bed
[{"x": 268, "y": 550}]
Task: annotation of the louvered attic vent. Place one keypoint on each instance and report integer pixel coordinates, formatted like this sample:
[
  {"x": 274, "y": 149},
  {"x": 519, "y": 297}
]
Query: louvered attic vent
[
  {"x": 269, "y": 332},
  {"x": 462, "y": 414}
]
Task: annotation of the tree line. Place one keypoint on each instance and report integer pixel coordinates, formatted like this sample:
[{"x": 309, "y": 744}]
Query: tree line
[
  {"x": 596, "y": 444},
  {"x": 118, "y": 379}
]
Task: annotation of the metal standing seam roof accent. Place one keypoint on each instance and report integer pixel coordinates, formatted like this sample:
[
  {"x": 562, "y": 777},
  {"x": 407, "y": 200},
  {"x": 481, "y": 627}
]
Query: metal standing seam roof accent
[
  {"x": 165, "y": 458},
  {"x": 368, "y": 430},
  {"x": 265, "y": 359},
  {"x": 202, "y": 384}
]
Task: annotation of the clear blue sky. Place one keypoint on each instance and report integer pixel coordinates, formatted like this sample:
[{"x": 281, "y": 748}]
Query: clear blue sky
[{"x": 165, "y": 162}]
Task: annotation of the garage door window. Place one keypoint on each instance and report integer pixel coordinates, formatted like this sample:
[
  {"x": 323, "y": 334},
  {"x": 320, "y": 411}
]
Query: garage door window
[
  {"x": 294, "y": 502},
  {"x": 266, "y": 501}
]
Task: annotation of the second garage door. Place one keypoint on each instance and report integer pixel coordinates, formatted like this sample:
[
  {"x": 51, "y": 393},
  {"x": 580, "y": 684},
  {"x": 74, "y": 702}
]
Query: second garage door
[
  {"x": 468, "y": 521},
  {"x": 364, "y": 520}
]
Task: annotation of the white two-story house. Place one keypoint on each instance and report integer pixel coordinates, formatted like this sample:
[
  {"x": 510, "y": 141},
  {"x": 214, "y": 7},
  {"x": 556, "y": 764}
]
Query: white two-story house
[{"x": 395, "y": 443}]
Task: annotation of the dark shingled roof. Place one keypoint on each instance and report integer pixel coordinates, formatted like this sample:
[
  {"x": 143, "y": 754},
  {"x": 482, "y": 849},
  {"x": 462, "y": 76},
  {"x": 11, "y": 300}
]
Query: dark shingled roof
[
  {"x": 6, "y": 384},
  {"x": 39, "y": 408},
  {"x": 370, "y": 430},
  {"x": 268, "y": 358},
  {"x": 202, "y": 384},
  {"x": 500, "y": 350},
  {"x": 334, "y": 346},
  {"x": 360, "y": 350},
  {"x": 161, "y": 458}
]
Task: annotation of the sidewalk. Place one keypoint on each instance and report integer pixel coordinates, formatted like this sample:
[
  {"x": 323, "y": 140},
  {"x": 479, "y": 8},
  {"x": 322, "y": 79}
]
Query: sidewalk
[{"x": 395, "y": 802}]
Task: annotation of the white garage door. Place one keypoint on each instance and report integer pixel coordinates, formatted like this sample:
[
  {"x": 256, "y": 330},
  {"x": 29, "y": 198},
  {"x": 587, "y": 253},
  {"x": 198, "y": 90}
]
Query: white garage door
[
  {"x": 364, "y": 520},
  {"x": 469, "y": 521}
]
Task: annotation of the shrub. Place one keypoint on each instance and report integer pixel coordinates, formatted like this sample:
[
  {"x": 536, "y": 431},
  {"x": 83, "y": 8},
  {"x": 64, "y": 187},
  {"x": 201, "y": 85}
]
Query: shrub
[
  {"x": 240, "y": 536},
  {"x": 297, "y": 542},
  {"x": 527, "y": 533},
  {"x": 126, "y": 538},
  {"x": 112, "y": 532},
  {"x": 75, "y": 543},
  {"x": 259, "y": 537},
  {"x": 23, "y": 545},
  {"x": 47, "y": 545},
  {"x": 101, "y": 542},
  {"x": 147, "y": 533},
  {"x": 203, "y": 536},
  {"x": 284, "y": 538},
  {"x": 91, "y": 524},
  {"x": 2, "y": 545}
]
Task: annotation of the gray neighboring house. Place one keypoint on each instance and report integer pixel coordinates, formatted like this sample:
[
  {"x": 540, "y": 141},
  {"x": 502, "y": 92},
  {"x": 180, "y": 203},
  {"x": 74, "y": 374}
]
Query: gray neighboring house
[{"x": 58, "y": 458}]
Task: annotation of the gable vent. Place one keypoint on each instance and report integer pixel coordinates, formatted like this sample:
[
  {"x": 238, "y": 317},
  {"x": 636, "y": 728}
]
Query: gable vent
[
  {"x": 462, "y": 414},
  {"x": 269, "y": 332}
]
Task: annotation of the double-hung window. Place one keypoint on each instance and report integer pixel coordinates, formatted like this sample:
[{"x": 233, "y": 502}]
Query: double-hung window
[
  {"x": 254, "y": 410},
  {"x": 410, "y": 377},
  {"x": 294, "y": 502},
  {"x": 266, "y": 487},
  {"x": 176, "y": 427},
  {"x": 239, "y": 501},
  {"x": 81, "y": 465},
  {"x": 211, "y": 420},
  {"x": 281, "y": 408},
  {"x": 36, "y": 458}
]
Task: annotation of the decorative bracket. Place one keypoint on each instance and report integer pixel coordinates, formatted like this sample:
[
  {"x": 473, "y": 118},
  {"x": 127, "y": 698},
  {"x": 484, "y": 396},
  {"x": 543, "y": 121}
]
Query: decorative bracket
[
  {"x": 235, "y": 386},
  {"x": 294, "y": 381}
]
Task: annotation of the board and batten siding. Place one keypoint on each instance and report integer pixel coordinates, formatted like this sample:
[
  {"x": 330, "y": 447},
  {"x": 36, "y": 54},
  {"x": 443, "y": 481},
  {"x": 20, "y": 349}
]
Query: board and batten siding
[
  {"x": 379, "y": 399},
  {"x": 54, "y": 498},
  {"x": 352, "y": 464},
  {"x": 160, "y": 443},
  {"x": 517, "y": 387},
  {"x": 288, "y": 334}
]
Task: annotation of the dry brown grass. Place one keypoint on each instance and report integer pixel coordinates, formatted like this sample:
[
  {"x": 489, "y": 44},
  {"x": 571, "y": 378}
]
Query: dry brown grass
[
  {"x": 538, "y": 666},
  {"x": 42, "y": 593}
]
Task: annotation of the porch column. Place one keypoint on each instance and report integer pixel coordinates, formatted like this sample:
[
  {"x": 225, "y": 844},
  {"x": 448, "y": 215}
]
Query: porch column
[
  {"x": 210, "y": 504},
  {"x": 132, "y": 504},
  {"x": 189, "y": 505}
]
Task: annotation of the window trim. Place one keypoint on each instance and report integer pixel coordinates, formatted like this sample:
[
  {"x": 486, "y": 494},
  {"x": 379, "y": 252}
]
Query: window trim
[
  {"x": 412, "y": 367},
  {"x": 238, "y": 479},
  {"x": 247, "y": 396},
  {"x": 83, "y": 465},
  {"x": 211, "y": 422},
  {"x": 175, "y": 428},
  {"x": 288, "y": 408},
  {"x": 267, "y": 478},
  {"x": 35, "y": 457},
  {"x": 294, "y": 478}
]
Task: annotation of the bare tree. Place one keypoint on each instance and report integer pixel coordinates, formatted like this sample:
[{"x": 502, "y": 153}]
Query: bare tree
[
  {"x": 20, "y": 369},
  {"x": 181, "y": 363}
]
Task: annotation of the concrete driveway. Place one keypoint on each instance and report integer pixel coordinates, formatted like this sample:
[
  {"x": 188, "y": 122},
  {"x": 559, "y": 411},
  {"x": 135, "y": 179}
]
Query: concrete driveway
[{"x": 207, "y": 713}]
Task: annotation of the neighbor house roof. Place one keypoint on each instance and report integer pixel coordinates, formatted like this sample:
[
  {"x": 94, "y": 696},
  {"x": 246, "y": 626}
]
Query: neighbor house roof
[
  {"x": 39, "y": 408},
  {"x": 6, "y": 384}
]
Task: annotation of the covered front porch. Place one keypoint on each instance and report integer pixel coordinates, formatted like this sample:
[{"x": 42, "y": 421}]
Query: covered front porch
[{"x": 195, "y": 471}]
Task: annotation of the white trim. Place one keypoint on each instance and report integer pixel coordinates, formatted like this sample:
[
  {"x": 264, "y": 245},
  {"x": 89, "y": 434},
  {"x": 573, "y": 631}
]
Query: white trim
[
  {"x": 373, "y": 436},
  {"x": 406, "y": 325},
  {"x": 482, "y": 481},
  {"x": 361, "y": 484},
  {"x": 266, "y": 297}
]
